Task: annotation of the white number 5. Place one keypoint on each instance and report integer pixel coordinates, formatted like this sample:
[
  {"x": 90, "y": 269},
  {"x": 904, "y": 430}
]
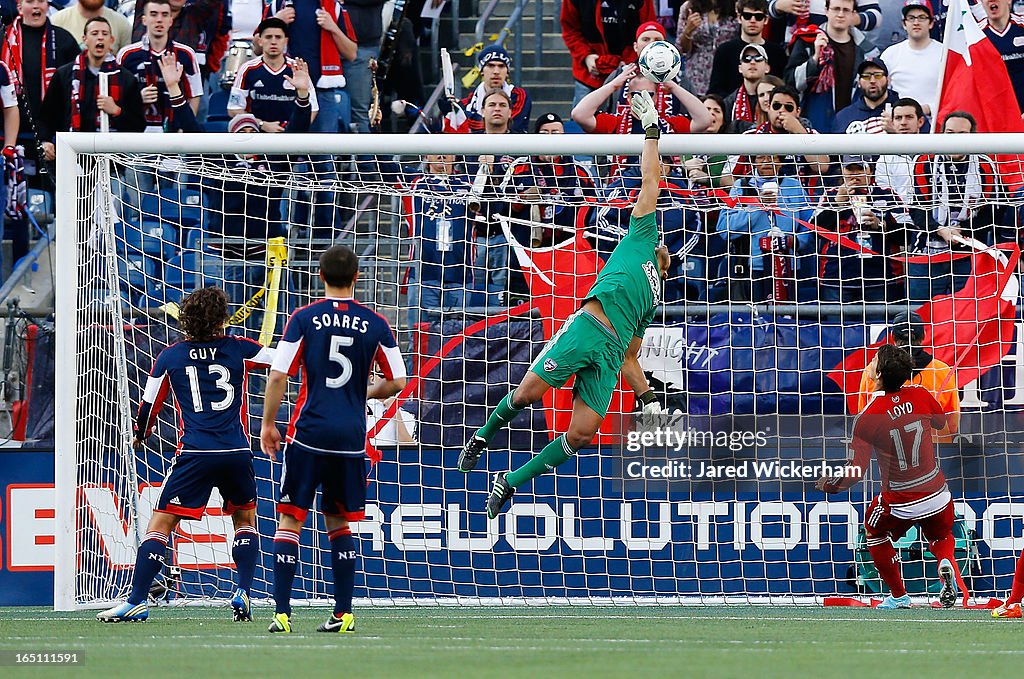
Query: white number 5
[{"x": 337, "y": 342}]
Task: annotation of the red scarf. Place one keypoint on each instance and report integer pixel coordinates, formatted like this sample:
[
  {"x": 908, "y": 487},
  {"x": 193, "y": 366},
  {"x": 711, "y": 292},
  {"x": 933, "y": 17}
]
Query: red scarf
[
  {"x": 330, "y": 60},
  {"x": 741, "y": 108},
  {"x": 77, "y": 91},
  {"x": 662, "y": 104},
  {"x": 10, "y": 54},
  {"x": 827, "y": 76}
]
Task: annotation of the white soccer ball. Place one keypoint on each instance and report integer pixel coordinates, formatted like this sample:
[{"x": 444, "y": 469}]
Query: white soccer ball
[{"x": 660, "y": 61}]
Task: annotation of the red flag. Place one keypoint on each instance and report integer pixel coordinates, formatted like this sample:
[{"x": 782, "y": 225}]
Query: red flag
[
  {"x": 975, "y": 80},
  {"x": 970, "y": 330},
  {"x": 559, "y": 278}
]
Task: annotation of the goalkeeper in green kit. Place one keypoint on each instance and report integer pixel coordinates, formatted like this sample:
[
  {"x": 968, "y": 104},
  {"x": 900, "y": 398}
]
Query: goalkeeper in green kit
[{"x": 598, "y": 341}]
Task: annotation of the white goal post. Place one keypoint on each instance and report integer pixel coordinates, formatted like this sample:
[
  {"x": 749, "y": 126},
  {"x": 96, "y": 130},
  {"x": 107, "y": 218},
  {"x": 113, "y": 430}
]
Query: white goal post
[{"x": 591, "y": 534}]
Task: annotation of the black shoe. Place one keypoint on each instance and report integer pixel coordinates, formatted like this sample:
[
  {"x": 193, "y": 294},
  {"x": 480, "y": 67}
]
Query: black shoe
[
  {"x": 501, "y": 493},
  {"x": 471, "y": 452},
  {"x": 948, "y": 594}
]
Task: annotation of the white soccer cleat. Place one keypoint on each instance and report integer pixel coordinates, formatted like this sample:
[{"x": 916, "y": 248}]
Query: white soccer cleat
[{"x": 125, "y": 612}]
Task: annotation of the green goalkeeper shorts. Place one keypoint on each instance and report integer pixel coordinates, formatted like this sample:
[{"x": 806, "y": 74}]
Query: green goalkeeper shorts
[{"x": 587, "y": 349}]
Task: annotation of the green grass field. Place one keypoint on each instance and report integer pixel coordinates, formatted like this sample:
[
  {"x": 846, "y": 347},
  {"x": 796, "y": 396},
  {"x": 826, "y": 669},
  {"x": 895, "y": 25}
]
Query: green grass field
[{"x": 627, "y": 643}]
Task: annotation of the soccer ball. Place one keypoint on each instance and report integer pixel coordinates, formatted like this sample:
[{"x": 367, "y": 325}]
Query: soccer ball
[{"x": 659, "y": 61}]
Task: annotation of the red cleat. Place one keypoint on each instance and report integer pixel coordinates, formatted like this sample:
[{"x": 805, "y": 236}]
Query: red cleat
[{"x": 1007, "y": 611}]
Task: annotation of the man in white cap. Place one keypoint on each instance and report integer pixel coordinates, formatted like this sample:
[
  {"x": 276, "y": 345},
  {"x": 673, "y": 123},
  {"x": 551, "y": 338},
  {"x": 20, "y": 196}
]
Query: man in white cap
[
  {"x": 754, "y": 65},
  {"x": 753, "y": 16}
]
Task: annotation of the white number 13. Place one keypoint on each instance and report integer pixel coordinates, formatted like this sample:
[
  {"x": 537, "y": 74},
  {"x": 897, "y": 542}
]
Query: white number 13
[
  {"x": 223, "y": 383},
  {"x": 337, "y": 342}
]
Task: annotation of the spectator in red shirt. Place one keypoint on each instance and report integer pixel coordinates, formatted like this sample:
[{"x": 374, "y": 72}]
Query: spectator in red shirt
[
  {"x": 599, "y": 35},
  {"x": 587, "y": 117}
]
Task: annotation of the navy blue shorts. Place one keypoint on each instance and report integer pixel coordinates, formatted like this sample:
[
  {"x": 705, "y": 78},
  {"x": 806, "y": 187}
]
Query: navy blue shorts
[
  {"x": 194, "y": 475},
  {"x": 341, "y": 479}
]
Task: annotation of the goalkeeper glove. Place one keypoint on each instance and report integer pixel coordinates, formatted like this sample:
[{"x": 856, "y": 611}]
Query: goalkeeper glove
[
  {"x": 651, "y": 406},
  {"x": 643, "y": 109}
]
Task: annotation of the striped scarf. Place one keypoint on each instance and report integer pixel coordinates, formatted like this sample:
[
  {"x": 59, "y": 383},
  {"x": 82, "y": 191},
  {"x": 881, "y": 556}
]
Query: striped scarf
[
  {"x": 827, "y": 76},
  {"x": 662, "y": 103},
  {"x": 741, "y": 108},
  {"x": 10, "y": 54},
  {"x": 77, "y": 70},
  {"x": 330, "y": 59}
]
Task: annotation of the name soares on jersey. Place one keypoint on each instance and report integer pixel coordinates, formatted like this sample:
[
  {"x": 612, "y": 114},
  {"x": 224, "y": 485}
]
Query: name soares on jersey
[{"x": 344, "y": 322}]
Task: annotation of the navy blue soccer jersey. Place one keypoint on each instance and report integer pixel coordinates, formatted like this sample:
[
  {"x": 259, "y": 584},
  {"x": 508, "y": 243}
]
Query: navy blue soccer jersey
[
  {"x": 336, "y": 342},
  {"x": 436, "y": 212},
  {"x": 1010, "y": 44},
  {"x": 208, "y": 383},
  {"x": 265, "y": 93},
  {"x": 143, "y": 63}
]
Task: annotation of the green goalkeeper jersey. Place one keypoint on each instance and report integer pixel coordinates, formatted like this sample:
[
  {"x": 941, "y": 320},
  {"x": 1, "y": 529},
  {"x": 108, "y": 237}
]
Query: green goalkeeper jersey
[{"x": 629, "y": 285}]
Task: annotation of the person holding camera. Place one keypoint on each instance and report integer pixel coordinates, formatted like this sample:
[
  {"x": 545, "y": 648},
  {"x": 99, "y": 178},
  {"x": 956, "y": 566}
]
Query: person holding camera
[
  {"x": 873, "y": 221},
  {"x": 769, "y": 206}
]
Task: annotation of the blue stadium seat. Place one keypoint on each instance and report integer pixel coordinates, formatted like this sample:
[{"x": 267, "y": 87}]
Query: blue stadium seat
[
  {"x": 160, "y": 240},
  {"x": 177, "y": 206},
  {"x": 192, "y": 239},
  {"x": 149, "y": 204},
  {"x": 572, "y": 127},
  {"x": 136, "y": 270},
  {"x": 156, "y": 296},
  {"x": 218, "y": 108},
  {"x": 192, "y": 207},
  {"x": 216, "y": 125},
  {"x": 130, "y": 235},
  {"x": 181, "y": 272}
]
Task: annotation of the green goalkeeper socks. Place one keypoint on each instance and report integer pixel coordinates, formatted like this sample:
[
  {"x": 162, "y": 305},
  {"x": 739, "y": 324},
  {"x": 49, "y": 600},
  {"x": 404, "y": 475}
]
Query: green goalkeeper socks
[
  {"x": 502, "y": 415},
  {"x": 554, "y": 454}
]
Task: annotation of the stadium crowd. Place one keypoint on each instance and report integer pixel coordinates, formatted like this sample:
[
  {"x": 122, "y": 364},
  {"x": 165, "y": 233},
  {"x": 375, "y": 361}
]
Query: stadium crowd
[{"x": 749, "y": 66}]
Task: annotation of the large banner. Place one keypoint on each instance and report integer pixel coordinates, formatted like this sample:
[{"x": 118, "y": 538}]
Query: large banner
[{"x": 582, "y": 533}]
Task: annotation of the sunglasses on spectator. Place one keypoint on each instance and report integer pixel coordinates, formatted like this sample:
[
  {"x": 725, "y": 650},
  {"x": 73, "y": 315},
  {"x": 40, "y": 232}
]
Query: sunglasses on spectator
[
  {"x": 874, "y": 75},
  {"x": 755, "y": 16},
  {"x": 778, "y": 106},
  {"x": 752, "y": 58}
]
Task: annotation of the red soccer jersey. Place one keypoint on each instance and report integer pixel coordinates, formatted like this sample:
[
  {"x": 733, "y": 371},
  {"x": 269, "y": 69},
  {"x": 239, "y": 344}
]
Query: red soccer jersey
[
  {"x": 897, "y": 428},
  {"x": 607, "y": 123}
]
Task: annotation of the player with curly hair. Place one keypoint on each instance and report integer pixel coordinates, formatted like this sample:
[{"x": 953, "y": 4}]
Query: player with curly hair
[
  {"x": 206, "y": 372},
  {"x": 896, "y": 428}
]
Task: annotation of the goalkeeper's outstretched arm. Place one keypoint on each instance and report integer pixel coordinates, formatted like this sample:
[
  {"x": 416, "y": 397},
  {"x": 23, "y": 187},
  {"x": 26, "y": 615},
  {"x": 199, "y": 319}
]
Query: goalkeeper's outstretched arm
[{"x": 650, "y": 159}]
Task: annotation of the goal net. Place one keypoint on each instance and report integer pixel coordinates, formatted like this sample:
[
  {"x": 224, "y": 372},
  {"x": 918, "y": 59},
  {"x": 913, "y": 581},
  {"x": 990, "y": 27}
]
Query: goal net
[{"x": 791, "y": 257}]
